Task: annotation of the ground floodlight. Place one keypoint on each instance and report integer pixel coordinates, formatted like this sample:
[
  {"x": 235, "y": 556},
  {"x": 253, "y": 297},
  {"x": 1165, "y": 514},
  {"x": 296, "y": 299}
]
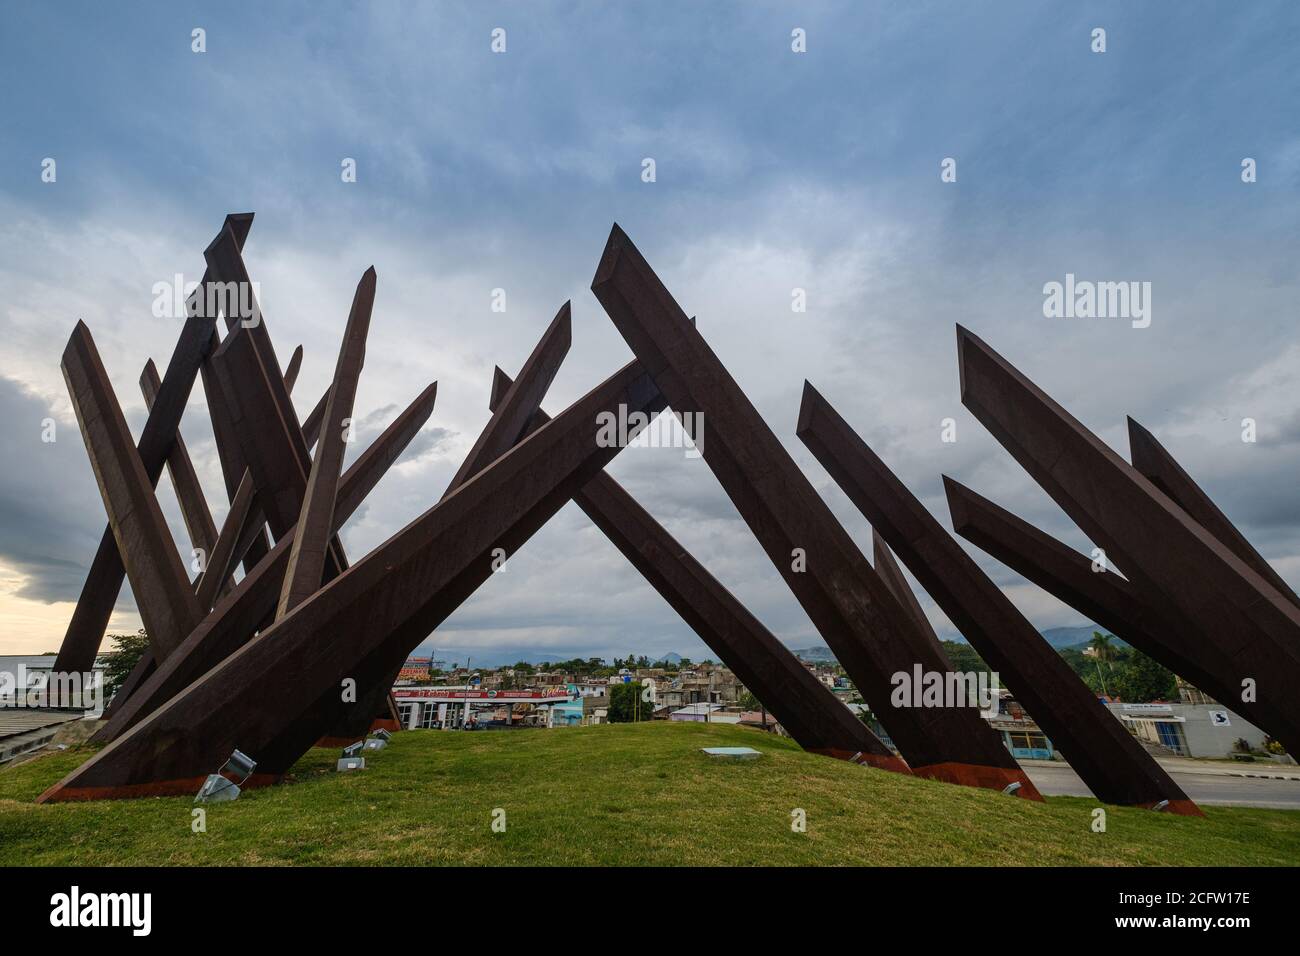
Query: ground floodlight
[
  {"x": 353, "y": 750},
  {"x": 382, "y": 734},
  {"x": 1011, "y": 788},
  {"x": 219, "y": 786},
  {"x": 351, "y": 763},
  {"x": 375, "y": 743},
  {"x": 1160, "y": 806}
]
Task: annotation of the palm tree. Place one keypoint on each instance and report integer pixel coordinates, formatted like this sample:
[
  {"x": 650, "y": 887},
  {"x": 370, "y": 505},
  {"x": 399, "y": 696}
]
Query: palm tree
[{"x": 1102, "y": 650}]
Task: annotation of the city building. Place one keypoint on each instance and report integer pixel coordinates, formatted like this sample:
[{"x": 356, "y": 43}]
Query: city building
[
  {"x": 443, "y": 707},
  {"x": 1191, "y": 730},
  {"x": 27, "y": 722}
]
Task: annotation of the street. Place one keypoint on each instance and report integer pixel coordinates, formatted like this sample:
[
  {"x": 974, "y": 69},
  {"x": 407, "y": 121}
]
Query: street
[{"x": 1208, "y": 787}]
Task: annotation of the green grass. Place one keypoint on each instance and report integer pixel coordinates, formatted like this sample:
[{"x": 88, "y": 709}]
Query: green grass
[{"x": 623, "y": 794}]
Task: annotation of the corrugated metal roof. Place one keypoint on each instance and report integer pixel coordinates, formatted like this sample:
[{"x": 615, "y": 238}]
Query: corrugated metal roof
[{"x": 21, "y": 720}]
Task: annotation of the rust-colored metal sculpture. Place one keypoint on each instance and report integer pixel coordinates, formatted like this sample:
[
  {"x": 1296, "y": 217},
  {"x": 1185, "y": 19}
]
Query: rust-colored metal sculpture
[
  {"x": 806, "y": 709},
  {"x": 103, "y": 582},
  {"x": 237, "y": 616},
  {"x": 1193, "y": 581},
  {"x": 281, "y": 691},
  {"x": 1162, "y": 470},
  {"x": 863, "y": 623},
  {"x": 1113, "y": 602},
  {"x": 1107, "y": 758},
  {"x": 298, "y": 651},
  {"x": 315, "y": 525},
  {"x": 162, "y": 590}
]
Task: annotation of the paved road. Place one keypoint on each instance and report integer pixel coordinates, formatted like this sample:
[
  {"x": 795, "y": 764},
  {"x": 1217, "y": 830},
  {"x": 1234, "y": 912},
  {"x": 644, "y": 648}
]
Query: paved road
[{"x": 1209, "y": 788}]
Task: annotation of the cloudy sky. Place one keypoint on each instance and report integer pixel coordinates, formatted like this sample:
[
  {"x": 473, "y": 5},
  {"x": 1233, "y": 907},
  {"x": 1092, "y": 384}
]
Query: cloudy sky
[{"x": 774, "y": 170}]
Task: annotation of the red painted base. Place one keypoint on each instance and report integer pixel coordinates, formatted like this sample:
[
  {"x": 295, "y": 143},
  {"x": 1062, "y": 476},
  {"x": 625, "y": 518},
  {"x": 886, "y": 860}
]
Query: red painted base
[
  {"x": 1184, "y": 808},
  {"x": 975, "y": 775},
  {"x": 880, "y": 762}
]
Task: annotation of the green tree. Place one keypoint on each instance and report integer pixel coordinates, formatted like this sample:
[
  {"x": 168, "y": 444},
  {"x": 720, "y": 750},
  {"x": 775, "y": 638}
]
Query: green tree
[
  {"x": 964, "y": 658},
  {"x": 1103, "y": 650},
  {"x": 1103, "y": 646},
  {"x": 126, "y": 653},
  {"x": 1140, "y": 680},
  {"x": 626, "y": 705}
]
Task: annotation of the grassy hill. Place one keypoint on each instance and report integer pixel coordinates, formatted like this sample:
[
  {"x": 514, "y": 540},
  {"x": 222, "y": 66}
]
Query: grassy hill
[{"x": 622, "y": 794}]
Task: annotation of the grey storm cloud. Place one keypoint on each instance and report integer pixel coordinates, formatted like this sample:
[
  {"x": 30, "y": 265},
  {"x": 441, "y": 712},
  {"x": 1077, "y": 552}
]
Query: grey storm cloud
[
  {"x": 50, "y": 513},
  {"x": 479, "y": 173}
]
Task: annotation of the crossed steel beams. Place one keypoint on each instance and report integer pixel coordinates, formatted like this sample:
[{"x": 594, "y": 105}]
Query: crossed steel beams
[
  {"x": 808, "y": 711},
  {"x": 1152, "y": 460},
  {"x": 268, "y": 683},
  {"x": 275, "y": 695},
  {"x": 164, "y": 594},
  {"x": 135, "y": 517},
  {"x": 238, "y": 615},
  {"x": 1108, "y": 759},
  {"x": 973, "y": 754},
  {"x": 1205, "y": 612},
  {"x": 98, "y": 595},
  {"x": 871, "y": 633}
]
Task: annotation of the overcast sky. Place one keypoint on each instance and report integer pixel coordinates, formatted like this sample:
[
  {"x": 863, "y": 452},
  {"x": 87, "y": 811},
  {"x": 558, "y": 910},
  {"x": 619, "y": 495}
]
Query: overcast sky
[{"x": 774, "y": 170}]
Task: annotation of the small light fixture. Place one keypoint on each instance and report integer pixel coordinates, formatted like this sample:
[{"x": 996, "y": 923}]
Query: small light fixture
[
  {"x": 1011, "y": 788},
  {"x": 220, "y": 787},
  {"x": 382, "y": 734},
  {"x": 1160, "y": 806},
  {"x": 352, "y": 759}
]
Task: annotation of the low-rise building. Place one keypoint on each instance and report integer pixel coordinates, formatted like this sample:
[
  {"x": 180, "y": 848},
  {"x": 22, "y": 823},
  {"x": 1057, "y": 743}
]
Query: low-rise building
[{"x": 1191, "y": 730}]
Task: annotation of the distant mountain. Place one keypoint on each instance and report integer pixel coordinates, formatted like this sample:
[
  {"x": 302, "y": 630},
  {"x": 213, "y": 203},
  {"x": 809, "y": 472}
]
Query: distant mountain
[
  {"x": 1057, "y": 637},
  {"x": 1060, "y": 637},
  {"x": 490, "y": 659}
]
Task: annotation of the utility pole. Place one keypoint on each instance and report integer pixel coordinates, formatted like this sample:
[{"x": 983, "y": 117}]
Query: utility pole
[{"x": 464, "y": 724}]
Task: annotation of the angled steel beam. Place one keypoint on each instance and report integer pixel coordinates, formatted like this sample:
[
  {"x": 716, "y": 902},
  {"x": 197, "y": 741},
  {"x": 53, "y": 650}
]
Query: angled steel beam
[
  {"x": 268, "y": 432},
  {"x": 315, "y": 524},
  {"x": 1098, "y": 747},
  {"x": 291, "y": 373},
  {"x": 1192, "y": 579},
  {"x": 869, "y": 631},
  {"x": 185, "y": 480},
  {"x": 805, "y": 708},
  {"x": 251, "y": 544},
  {"x": 237, "y": 616},
  {"x": 225, "y": 266},
  {"x": 511, "y": 415},
  {"x": 222, "y": 559},
  {"x": 137, "y": 676},
  {"x": 311, "y": 426},
  {"x": 1162, "y": 470},
  {"x": 269, "y": 396},
  {"x": 231, "y": 457},
  {"x": 104, "y": 581},
  {"x": 1112, "y": 602},
  {"x": 892, "y": 575},
  {"x": 270, "y": 440},
  {"x": 276, "y": 695},
  {"x": 162, "y": 590}
]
